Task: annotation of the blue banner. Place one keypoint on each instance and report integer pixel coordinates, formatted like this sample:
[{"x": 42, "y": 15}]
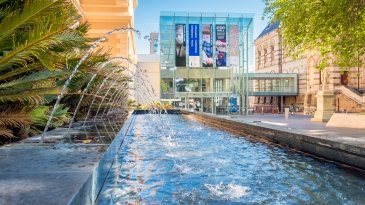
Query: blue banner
[
  {"x": 193, "y": 39},
  {"x": 194, "y": 55}
]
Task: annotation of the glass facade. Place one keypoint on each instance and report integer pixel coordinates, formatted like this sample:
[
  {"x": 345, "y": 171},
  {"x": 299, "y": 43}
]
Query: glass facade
[{"x": 204, "y": 59}]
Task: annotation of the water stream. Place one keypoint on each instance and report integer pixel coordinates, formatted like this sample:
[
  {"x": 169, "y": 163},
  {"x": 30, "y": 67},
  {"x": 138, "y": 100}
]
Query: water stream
[
  {"x": 94, "y": 45},
  {"x": 167, "y": 159}
]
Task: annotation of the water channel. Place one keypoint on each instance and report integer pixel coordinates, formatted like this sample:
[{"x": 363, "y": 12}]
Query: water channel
[{"x": 168, "y": 159}]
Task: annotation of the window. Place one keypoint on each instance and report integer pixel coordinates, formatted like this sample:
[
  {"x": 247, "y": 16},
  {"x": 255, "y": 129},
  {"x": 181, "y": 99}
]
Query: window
[
  {"x": 218, "y": 85},
  {"x": 272, "y": 53}
]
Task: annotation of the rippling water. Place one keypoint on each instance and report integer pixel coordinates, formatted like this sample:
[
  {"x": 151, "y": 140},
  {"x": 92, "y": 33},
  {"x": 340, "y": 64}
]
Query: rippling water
[{"x": 171, "y": 160}]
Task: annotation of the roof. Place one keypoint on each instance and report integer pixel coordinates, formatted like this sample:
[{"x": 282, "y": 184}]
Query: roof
[{"x": 269, "y": 28}]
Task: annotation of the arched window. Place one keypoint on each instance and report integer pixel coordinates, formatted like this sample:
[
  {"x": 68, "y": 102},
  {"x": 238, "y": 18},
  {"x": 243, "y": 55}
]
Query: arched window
[
  {"x": 272, "y": 54},
  {"x": 259, "y": 58},
  {"x": 265, "y": 56}
]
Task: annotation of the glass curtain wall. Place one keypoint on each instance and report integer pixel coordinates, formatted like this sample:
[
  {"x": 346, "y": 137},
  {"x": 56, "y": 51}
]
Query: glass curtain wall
[{"x": 204, "y": 58}]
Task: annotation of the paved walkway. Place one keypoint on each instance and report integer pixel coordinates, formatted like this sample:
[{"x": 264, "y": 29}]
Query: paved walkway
[
  {"x": 302, "y": 124},
  {"x": 55, "y": 172}
]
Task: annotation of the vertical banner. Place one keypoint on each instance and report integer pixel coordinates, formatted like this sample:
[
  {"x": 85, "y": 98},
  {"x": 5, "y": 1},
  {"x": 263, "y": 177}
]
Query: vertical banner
[
  {"x": 233, "y": 45},
  {"x": 180, "y": 45},
  {"x": 221, "y": 45},
  {"x": 194, "y": 54},
  {"x": 207, "y": 45}
]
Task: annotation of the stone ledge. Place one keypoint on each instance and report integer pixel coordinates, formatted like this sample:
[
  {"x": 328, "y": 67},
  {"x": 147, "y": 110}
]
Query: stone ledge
[
  {"x": 347, "y": 120},
  {"x": 56, "y": 173},
  {"x": 327, "y": 147}
]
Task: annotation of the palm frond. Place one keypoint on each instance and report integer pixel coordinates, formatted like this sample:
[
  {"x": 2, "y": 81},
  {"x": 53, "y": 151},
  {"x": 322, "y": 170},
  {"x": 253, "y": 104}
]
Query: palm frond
[
  {"x": 5, "y": 132},
  {"x": 33, "y": 78},
  {"x": 3, "y": 1},
  {"x": 38, "y": 46},
  {"x": 39, "y": 116},
  {"x": 15, "y": 119},
  {"x": 34, "y": 96},
  {"x": 60, "y": 117},
  {"x": 31, "y": 10},
  {"x": 21, "y": 70}
]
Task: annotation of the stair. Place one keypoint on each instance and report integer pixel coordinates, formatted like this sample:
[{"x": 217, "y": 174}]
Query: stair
[{"x": 352, "y": 94}]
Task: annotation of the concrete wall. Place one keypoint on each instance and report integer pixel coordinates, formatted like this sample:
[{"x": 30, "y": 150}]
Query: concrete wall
[
  {"x": 107, "y": 15},
  {"x": 150, "y": 65},
  {"x": 272, "y": 57},
  {"x": 345, "y": 104}
]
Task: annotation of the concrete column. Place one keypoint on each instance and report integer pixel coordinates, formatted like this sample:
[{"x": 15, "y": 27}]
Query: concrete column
[
  {"x": 324, "y": 106},
  {"x": 212, "y": 84},
  {"x": 212, "y": 105}
]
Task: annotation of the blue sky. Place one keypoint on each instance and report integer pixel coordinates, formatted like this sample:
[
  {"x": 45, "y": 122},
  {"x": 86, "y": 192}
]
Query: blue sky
[{"x": 148, "y": 13}]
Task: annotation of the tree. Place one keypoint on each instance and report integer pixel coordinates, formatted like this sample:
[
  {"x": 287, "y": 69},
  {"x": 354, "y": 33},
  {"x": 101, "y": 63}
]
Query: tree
[
  {"x": 329, "y": 26},
  {"x": 40, "y": 42},
  {"x": 164, "y": 86}
]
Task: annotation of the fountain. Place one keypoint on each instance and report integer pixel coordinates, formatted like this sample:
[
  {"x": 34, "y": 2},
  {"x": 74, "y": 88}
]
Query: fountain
[
  {"x": 160, "y": 162},
  {"x": 86, "y": 89},
  {"x": 118, "y": 93},
  {"x": 102, "y": 100},
  {"x": 85, "y": 56}
]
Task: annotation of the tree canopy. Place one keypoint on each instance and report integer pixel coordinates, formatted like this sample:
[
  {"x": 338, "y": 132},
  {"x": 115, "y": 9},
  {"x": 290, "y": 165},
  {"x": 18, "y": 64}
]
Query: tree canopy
[{"x": 329, "y": 26}]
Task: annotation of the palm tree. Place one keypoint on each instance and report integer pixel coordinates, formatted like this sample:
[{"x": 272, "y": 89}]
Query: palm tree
[{"x": 40, "y": 41}]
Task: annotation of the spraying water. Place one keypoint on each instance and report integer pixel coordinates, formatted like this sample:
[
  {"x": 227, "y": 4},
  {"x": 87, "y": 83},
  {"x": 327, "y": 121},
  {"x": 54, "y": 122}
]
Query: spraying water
[{"x": 73, "y": 73}]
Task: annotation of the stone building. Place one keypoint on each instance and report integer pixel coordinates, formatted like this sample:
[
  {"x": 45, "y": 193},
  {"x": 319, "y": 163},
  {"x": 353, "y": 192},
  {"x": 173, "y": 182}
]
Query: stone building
[
  {"x": 348, "y": 86},
  {"x": 107, "y": 15},
  {"x": 104, "y": 16}
]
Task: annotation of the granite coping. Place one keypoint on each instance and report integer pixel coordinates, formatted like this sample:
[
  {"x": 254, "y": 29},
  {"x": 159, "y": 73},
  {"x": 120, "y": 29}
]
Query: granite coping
[
  {"x": 56, "y": 172},
  {"x": 345, "y": 146}
]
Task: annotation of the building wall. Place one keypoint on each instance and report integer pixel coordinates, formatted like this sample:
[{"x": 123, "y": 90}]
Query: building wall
[
  {"x": 148, "y": 91},
  {"x": 107, "y": 15},
  {"x": 205, "y": 80},
  {"x": 271, "y": 58}
]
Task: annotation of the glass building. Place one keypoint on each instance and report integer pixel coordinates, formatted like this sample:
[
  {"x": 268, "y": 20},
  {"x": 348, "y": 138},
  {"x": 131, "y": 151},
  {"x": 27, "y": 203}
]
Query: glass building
[{"x": 204, "y": 59}]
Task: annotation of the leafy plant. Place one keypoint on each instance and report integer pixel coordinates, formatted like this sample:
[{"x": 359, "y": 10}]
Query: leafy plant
[
  {"x": 37, "y": 37},
  {"x": 41, "y": 41},
  {"x": 329, "y": 26}
]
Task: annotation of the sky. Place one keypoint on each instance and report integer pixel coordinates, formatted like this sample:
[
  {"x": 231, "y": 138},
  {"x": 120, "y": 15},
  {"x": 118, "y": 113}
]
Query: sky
[{"x": 147, "y": 14}]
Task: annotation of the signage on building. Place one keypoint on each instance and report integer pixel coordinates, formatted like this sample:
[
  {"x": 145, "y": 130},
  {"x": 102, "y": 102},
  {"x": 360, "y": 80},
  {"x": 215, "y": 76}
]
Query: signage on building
[
  {"x": 207, "y": 37},
  {"x": 194, "y": 54},
  {"x": 233, "y": 45},
  {"x": 180, "y": 45},
  {"x": 221, "y": 45}
]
